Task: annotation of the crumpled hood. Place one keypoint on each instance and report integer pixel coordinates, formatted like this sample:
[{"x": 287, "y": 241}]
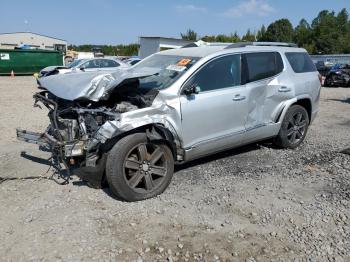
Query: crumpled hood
[{"x": 92, "y": 86}]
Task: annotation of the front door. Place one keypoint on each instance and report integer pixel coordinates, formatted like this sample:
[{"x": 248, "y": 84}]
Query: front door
[{"x": 214, "y": 119}]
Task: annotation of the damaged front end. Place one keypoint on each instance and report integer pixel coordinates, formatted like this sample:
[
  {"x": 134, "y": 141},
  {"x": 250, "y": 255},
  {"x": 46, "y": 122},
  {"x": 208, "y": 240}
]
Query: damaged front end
[
  {"x": 79, "y": 128},
  {"x": 70, "y": 130},
  {"x": 90, "y": 112}
]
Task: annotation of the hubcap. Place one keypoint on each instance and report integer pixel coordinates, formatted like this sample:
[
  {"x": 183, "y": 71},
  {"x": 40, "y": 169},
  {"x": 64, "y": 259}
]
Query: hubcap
[
  {"x": 145, "y": 167},
  {"x": 296, "y": 128}
]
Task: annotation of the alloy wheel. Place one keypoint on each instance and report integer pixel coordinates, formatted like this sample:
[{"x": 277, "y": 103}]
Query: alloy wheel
[
  {"x": 145, "y": 167},
  {"x": 296, "y": 127}
]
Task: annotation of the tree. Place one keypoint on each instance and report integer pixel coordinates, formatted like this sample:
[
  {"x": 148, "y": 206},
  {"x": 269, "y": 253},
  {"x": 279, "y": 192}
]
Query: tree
[
  {"x": 249, "y": 37},
  {"x": 127, "y": 50},
  {"x": 280, "y": 31},
  {"x": 235, "y": 38},
  {"x": 344, "y": 32},
  {"x": 325, "y": 33},
  {"x": 209, "y": 38},
  {"x": 260, "y": 35},
  {"x": 189, "y": 35},
  {"x": 303, "y": 35}
]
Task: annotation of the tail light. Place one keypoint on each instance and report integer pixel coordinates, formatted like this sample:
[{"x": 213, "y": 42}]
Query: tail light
[{"x": 320, "y": 78}]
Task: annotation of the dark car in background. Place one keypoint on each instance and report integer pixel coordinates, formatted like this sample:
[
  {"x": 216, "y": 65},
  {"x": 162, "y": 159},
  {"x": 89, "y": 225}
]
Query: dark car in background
[
  {"x": 338, "y": 76},
  {"x": 322, "y": 68}
]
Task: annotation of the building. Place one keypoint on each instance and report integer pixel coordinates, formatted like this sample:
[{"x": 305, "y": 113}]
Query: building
[
  {"x": 153, "y": 44},
  {"x": 332, "y": 59},
  {"x": 32, "y": 40}
]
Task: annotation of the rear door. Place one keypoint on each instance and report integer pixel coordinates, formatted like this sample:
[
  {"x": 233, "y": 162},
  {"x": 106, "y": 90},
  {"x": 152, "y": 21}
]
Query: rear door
[
  {"x": 267, "y": 89},
  {"x": 214, "y": 118}
]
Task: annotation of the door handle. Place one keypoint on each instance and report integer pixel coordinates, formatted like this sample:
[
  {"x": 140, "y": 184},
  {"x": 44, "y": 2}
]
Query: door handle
[
  {"x": 238, "y": 97},
  {"x": 284, "y": 89}
]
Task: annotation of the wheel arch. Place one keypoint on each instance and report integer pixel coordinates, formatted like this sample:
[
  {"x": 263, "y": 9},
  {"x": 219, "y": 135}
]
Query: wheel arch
[
  {"x": 156, "y": 132},
  {"x": 303, "y": 101},
  {"x": 306, "y": 103}
]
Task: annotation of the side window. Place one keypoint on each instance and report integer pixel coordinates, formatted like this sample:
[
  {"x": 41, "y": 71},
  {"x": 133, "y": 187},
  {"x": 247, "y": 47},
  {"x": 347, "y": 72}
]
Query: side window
[
  {"x": 91, "y": 64},
  {"x": 258, "y": 66},
  {"x": 108, "y": 63},
  {"x": 300, "y": 62},
  {"x": 219, "y": 73}
]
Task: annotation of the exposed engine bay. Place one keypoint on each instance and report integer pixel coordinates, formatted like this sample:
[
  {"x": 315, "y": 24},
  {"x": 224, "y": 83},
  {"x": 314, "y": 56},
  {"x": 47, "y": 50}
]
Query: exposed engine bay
[{"x": 74, "y": 124}]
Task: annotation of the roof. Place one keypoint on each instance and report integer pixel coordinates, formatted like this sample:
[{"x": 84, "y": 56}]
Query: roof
[
  {"x": 166, "y": 38},
  {"x": 331, "y": 55},
  {"x": 201, "y": 51},
  {"x": 33, "y": 34}
]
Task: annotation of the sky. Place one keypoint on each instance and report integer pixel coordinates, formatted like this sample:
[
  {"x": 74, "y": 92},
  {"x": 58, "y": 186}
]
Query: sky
[{"x": 122, "y": 22}]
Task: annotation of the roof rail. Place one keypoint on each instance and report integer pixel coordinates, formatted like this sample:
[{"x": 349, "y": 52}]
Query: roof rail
[{"x": 244, "y": 44}]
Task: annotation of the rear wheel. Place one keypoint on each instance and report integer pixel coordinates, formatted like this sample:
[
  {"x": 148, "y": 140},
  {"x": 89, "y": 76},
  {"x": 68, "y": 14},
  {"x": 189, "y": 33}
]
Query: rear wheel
[
  {"x": 137, "y": 169},
  {"x": 294, "y": 127}
]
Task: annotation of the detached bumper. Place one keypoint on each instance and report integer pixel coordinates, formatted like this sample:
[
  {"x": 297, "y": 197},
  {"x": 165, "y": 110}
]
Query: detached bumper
[
  {"x": 46, "y": 140},
  {"x": 43, "y": 139}
]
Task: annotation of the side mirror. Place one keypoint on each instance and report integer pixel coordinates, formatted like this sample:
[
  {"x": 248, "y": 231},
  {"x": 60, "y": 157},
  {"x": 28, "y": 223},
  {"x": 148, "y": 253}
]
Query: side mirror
[
  {"x": 192, "y": 89},
  {"x": 82, "y": 68}
]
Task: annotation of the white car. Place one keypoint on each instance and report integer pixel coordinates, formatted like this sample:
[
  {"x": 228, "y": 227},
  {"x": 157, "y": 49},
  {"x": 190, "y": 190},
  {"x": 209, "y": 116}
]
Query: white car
[
  {"x": 131, "y": 126},
  {"x": 86, "y": 65}
]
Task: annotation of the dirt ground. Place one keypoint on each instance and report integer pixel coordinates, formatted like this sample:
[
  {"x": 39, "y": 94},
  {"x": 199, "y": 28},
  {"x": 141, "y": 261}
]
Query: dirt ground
[{"x": 256, "y": 203}]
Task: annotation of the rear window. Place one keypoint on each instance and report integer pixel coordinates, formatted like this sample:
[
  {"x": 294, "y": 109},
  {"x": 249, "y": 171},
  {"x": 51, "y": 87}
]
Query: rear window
[
  {"x": 300, "y": 62},
  {"x": 258, "y": 66}
]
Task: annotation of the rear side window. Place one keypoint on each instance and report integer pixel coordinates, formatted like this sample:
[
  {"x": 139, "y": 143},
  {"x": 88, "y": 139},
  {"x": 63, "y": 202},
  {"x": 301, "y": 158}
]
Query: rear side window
[
  {"x": 300, "y": 62},
  {"x": 258, "y": 66}
]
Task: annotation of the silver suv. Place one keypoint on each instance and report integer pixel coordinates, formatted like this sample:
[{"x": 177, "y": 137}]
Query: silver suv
[{"x": 128, "y": 128}]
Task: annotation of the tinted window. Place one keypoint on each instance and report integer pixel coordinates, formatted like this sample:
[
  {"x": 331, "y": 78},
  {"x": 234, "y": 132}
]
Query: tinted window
[
  {"x": 134, "y": 62},
  {"x": 220, "y": 73},
  {"x": 259, "y": 66},
  {"x": 301, "y": 62}
]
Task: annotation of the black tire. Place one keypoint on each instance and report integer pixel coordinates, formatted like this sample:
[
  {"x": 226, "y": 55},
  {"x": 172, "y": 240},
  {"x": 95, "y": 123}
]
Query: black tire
[
  {"x": 294, "y": 127},
  {"x": 137, "y": 169}
]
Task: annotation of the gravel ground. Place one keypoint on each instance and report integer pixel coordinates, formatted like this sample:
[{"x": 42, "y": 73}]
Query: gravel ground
[{"x": 255, "y": 203}]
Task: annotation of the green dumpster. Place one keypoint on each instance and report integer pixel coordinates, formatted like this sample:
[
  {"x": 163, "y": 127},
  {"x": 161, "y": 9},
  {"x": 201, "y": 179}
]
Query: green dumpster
[{"x": 27, "y": 61}]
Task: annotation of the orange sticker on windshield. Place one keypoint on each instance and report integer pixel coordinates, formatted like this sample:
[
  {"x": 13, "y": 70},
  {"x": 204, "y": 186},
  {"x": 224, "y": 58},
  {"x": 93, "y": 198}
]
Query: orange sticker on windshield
[{"x": 183, "y": 62}]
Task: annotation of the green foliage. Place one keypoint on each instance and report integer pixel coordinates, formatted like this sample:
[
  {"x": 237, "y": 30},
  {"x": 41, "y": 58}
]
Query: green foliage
[
  {"x": 328, "y": 33},
  {"x": 122, "y": 50},
  {"x": 189, "y": 35},
  {"x": 249, "y": 37},
  {"x": 260, "y": 35},
  {"x": 279, "y": 31},
  {"x": 232, "y": 38},
  {"x": 303, "y": 36}
]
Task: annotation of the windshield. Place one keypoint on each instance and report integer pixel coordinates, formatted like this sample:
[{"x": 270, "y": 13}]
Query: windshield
[
  {"x": 75, "y": 63},
  {"x": 172, "y": 67}
]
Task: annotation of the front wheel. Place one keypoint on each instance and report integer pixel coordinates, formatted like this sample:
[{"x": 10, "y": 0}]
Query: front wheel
[
  {"x": 137, "y": 169},
  {"x": 294, "y": 127}
]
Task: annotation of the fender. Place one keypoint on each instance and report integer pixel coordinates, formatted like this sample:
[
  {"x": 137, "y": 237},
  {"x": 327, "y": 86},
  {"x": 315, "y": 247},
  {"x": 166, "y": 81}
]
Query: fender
[
  {"x": 281, "y": 111},
  {"x": 283, "y": 108}
]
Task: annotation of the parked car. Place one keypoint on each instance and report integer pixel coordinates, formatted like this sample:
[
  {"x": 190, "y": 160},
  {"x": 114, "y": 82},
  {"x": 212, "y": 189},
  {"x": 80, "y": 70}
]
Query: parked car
[
  {"x": 338, "y": 76},
  {"x": 86, "y": 65},
  {"x": 322, "y": 68},
  {"x": 131, "y": 126},
  {"x": 132, "y": 61}
]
